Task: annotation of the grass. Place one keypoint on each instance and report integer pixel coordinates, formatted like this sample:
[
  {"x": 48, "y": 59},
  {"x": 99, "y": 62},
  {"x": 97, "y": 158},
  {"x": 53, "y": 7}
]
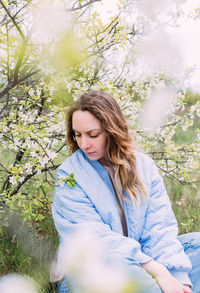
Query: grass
[
  {"x": 185, "y": 201},
  {"x": 29, "y": 249}
]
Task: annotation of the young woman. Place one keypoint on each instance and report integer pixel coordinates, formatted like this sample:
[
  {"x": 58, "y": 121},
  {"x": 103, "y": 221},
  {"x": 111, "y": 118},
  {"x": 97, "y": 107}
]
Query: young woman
[{"x": 119, "y": 191}]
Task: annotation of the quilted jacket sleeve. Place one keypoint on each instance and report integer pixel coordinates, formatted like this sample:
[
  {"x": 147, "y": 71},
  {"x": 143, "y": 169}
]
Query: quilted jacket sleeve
[
  {"x": 72, "y": 208},
  {"x": 159, "y": 237}
]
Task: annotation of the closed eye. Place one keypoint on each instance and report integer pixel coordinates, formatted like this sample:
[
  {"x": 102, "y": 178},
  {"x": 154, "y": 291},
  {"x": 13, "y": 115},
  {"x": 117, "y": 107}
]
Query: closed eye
[
  {"x": 89, "y": 133},
  {"x": 92, "y": 136}
]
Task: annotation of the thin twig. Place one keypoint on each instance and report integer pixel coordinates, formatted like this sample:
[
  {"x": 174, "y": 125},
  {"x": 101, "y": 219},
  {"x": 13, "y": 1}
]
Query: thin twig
[
  {"x": 12, "y": 85},
  {"x": 31, "y": 175},
  {"x": 84, "y": 5},
  {"x": 13, "y": 20}
]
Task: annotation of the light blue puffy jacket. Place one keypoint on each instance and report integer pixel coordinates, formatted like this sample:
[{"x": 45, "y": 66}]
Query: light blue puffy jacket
[{"x": 152, "y": 227}]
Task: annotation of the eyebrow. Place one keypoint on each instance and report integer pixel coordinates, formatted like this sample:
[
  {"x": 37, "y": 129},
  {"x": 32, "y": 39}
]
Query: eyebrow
[{"x": 98, "y": 129}]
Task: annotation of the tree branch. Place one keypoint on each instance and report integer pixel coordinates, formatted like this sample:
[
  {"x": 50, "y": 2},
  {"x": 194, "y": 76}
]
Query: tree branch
[
  {"x": 19, "y": 61},
  {"x": 47, "y": 169},
  {"x": 82, "y": 6},
  {"x": 13, "y": 20},
  {"x": 13, "y": 84}
]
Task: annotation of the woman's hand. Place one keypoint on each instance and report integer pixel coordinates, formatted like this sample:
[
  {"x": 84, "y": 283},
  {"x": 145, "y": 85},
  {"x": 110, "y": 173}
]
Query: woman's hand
[
  {"x": 171, "y": 285},
  {"x": 165, "y": 280}
]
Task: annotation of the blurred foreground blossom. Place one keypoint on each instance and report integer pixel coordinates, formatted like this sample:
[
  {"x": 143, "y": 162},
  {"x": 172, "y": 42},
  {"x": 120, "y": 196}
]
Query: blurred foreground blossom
[
  {"x": 49, "y": 21},
  {"x": 156, "y": 109},
  {"x": 68, "y": 51},
  {"x": 153, "y": 7},
  {"x": 82, "y": 262},
  {"x": 158, "y": 52},
  {"x": 14, "y": 283}
]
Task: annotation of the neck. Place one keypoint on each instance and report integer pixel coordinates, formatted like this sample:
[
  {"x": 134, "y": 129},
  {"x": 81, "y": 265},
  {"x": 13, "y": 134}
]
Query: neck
[{"x": 105, "y": 162}]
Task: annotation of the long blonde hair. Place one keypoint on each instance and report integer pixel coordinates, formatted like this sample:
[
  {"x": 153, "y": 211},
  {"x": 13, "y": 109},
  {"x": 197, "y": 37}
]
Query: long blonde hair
[{"x": 119, "y": 148}]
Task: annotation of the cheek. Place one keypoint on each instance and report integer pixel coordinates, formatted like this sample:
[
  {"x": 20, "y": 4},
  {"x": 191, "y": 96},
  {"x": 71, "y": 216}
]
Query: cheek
[
  {"x": 78, "y": 142},
  {"x": 104, "y": 143}
]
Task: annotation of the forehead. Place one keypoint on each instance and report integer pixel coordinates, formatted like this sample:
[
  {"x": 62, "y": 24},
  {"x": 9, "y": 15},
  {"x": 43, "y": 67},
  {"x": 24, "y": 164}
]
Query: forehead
[{"x": 85, "y": 121}]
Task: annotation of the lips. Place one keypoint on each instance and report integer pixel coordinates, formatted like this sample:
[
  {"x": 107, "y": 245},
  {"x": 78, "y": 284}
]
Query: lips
[{"x": 91, "y": 153}]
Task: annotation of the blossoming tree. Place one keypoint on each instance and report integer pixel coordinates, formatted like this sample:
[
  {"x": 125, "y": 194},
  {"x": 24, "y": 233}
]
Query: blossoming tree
[{"x": 41, "y": 74}]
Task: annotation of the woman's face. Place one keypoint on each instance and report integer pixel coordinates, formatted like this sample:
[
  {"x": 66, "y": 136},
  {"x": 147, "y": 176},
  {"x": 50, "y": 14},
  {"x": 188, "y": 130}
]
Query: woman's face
[{"x": 89, "y": 134}]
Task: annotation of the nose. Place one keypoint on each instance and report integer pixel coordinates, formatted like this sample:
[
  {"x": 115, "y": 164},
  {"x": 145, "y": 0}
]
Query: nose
[{"x": 84, "y": 144}]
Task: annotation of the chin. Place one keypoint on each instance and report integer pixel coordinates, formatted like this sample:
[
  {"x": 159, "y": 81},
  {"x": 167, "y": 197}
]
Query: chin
[{"x": 93, "y": 158}]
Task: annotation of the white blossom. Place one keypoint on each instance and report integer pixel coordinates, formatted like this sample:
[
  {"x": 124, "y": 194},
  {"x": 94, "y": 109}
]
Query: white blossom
[
  {"x": 43, "y": 161},
  {"x": 12, "y": 125},
  {"x": 31, "y": 92},
  {"x": 15, "y": 99},
  {"x": 51, "y": 155},
  {"x": 38, "y": 171},
  {"x": 13, "y": 180},
  {"x": 11, "y": 146},
  {"x": 46, "y": 139},
  {"x": 24, "y": 117},
  {"x": 28, "y": 167},
  {"x": 5, "y": 128},
  {"x": 15, "y": 283},
  {"x": 21, "y": 179},
  {"x": 33, "y": 154}
]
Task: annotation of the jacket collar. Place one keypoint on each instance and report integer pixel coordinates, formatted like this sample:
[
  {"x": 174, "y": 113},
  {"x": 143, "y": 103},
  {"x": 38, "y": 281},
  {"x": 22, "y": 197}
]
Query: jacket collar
[{"x": 94, "y": 163}]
